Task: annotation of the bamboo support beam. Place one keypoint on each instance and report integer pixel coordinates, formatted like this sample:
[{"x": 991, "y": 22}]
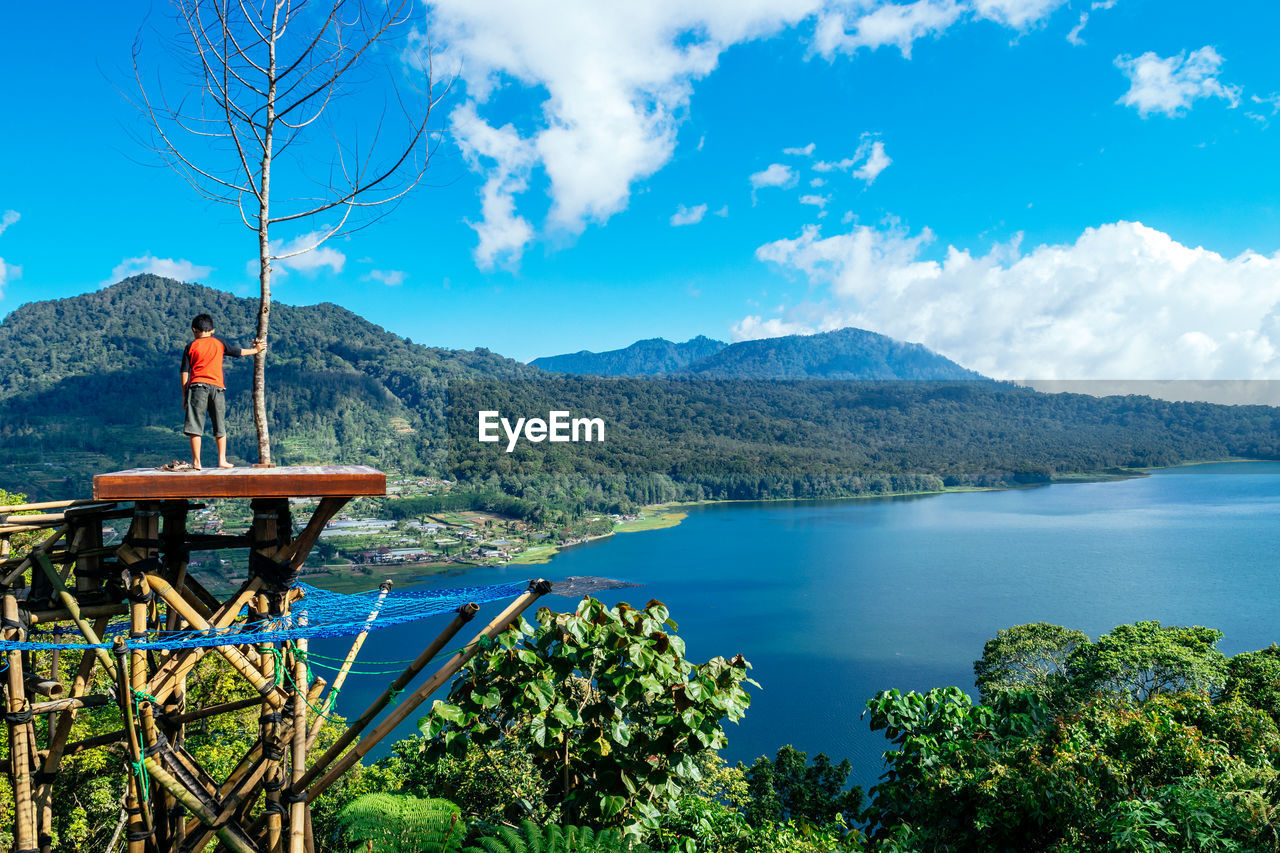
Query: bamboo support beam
[
  {"x": 20, "y": 748},
  {"x": 140, "y": 824},
  {"x": 350, "y": 659},
  {"x": 537, "y": 589},
  {"x": 57, "y": 744},
  {"x": 465, "y": 614},
  {"x": 73, "y": 609},
  {"x": 236, "y": 841},
  {"x": 11, "y": 508},
  {"x": 237, "y": 658},
  {"x": 71, "y": 703},
  {"x": 92, "y": 611},
  {"x": 298, "y": 808},
  {"x": 297, "y": 552},
  {"x": 168, "y": 675},
  {"x": 241, "y": 787},
  {"x": 41, "y": 548},
  {"x": 44, "y": 686},
  {"x": 273, "y": 776}
]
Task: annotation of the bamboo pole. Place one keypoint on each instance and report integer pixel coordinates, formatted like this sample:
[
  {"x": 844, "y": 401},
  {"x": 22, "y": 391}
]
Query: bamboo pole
[
  {"x": 140, "y": 824},
  {"x": 225, "y": 832},
  {"x": 40, "y": 548},
  {"x": 166, "y": 678},
  {"x": 298, "y": 808},
  {"x": 10, "y": 508},
  {"x": 58, "y": 742},
  {"x": 537, "y": 589},
  {"x": 45, "y": 687},
  {"x": 465, "y": 614},
  {"x": 232, "y": 653},
  {"x": 71, "y": 703},
  {"x": 270, "y": 734},
  {"x": 138, "y": 684},
  {"x": 24, "y": 830},
  {"x": 73, "y": 609},
  {"x": 92, "y": 611},
  {"x": 350, "y": 659},
  {"x": 242, "y": 785}
]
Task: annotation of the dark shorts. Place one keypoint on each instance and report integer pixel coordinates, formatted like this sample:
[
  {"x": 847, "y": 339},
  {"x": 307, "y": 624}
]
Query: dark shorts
[{"x": 201, "y": 399}]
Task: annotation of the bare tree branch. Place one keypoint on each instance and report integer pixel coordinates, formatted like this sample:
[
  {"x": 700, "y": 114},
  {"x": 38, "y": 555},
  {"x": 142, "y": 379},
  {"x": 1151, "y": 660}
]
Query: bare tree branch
[{"x": 266, "y": 71}]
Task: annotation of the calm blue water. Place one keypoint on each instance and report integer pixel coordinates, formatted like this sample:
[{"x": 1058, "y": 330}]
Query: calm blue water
[{"x": 833, "y": 601}]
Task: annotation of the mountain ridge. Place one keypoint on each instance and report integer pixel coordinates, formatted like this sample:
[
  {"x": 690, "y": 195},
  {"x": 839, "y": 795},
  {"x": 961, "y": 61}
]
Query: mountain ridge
[{"x": 841, "y": 354}]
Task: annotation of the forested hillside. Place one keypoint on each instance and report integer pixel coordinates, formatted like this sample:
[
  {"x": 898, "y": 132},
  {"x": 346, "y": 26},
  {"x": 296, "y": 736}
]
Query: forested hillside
[
  {"x": 839, "y": 354},
  {"x": 693, "y": 439},
  {"x": 643, "y": 358},
  {"x": 90, "y": 384}
]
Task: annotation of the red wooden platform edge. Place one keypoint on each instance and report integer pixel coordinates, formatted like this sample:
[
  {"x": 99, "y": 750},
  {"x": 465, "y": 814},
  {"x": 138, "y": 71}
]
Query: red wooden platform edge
[{"x": 296, "y": 481}]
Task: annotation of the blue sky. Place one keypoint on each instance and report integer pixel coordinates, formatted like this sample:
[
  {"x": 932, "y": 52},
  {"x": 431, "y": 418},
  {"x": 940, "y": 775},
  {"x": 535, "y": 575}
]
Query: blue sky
[{"x": 1027, "y": 195}]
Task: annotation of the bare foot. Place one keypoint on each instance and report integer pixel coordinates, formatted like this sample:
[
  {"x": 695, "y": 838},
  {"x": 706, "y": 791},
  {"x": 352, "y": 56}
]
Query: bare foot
[
  {"x": 225, "y": 464},
  {"x": 197, "y": 467}
]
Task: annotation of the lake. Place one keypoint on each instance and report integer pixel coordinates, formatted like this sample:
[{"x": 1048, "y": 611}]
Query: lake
[{"x": 832, "y": 601}]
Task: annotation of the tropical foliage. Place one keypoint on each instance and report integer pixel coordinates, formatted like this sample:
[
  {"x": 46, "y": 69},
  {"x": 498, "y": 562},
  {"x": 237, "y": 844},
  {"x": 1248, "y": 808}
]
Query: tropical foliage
[{"x": 606, "y": 704}]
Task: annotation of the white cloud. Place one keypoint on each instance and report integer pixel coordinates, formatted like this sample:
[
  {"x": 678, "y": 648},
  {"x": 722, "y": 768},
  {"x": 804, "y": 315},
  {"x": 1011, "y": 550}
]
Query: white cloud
[
  {"x": 777, "y": 175},
  {"x": 503, "y": 233},
  {"x": 308, "y": 263},
  {"x": 391, "y": 278},
  {"x": 876, "y": 162},
  {"x": 817, "y": 182},
  {"x": 873, "y": 25},
  {"x": 806, "y": 151},
  {"x": 1016, "y": 14},
  {"x": 1123, "y": 301},
  {"x": 615, "y": 78},
  {"x": 819, "y": 201},
  {"x": 688, "y": 215},
  {"x": 1171, "y": 84},
  {"x": 722, "y": 212},
  {"x": 1073, "y": 35},
  {"x": 8, "y": 271},
  {"x": 870, "y": 155},
  {"x": 614, "y": 82},
  {"x": 182, "y": 270},
  {"x": 752, "y": 327}
]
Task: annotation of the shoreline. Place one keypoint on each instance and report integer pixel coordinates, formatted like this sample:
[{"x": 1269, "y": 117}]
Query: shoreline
[{"x": 665, "y": 515}]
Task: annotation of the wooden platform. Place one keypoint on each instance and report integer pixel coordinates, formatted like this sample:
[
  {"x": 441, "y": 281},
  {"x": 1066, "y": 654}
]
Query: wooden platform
[{"x": 298, "y": 481}]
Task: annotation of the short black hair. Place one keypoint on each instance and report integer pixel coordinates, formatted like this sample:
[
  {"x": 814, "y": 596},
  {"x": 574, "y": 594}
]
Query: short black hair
[{"x": 202, "y": 323}]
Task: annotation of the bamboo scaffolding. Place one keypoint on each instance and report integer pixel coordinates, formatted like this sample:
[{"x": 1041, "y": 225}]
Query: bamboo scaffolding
[
  {"x": 20, "y": 748},
  {"x": 384, "y": 590},
  {"x": 57, "y": 743},
  {"x": 172, "y": 804},
  {"x": 136, "y": 796},
  {"x": 298, "y": 806},
  {"x": 407, "y": 706}
]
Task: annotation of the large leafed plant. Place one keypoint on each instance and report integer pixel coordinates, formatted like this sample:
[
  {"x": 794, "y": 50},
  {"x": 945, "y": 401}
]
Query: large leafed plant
[{"x": 605, "y": 700}]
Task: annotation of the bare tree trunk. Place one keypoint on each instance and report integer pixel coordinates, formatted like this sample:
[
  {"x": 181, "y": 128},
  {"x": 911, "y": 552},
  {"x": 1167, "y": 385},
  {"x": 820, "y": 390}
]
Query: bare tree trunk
[{"x": 264, "y": 256}]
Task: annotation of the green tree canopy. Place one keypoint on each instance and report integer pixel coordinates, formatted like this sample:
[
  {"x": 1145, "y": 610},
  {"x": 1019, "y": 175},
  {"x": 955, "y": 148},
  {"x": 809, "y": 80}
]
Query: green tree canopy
[
  {"x": 612, "y": 712},
  {"x": 1030, "y": 657},
  {"x": 1146, "y": 658}
]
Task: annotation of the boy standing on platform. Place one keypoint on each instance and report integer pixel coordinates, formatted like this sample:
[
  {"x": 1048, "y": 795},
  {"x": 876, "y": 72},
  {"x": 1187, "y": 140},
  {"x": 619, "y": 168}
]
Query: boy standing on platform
[{"x": 203, "y": 389}]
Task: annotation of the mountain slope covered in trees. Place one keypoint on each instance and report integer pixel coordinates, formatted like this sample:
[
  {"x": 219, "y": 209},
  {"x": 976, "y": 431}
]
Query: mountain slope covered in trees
[
  {"x": 90, "y": 384},
  {"x": 643, "y": 358},
  {"x": 841, "y": 354}
]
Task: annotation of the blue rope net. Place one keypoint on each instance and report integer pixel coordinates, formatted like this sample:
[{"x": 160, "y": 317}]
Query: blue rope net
[{"x": 320, "y": 613}]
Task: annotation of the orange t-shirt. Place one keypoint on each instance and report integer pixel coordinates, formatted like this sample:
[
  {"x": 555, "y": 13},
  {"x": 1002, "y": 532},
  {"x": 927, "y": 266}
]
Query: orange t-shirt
[{"x": 203, "y": 360}]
